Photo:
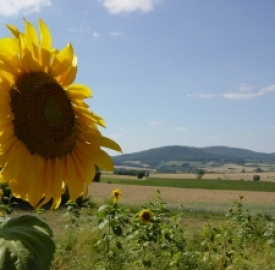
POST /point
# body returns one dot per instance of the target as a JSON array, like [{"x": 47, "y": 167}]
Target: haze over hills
[{"x": 221, "y": 154}]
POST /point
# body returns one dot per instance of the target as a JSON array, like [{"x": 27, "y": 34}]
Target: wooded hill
[{"x": 221, "y": 154}]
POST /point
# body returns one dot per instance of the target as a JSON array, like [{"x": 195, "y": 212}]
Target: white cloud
[
  {"x": 248, "y": 93},
  {"x": 271, "y": 127},
  {"x": 181, "y": 128},
  {"x": 128, "y": 6},
  {"x": 199, "y": 95},
  {"x": 115, "y": 34},
  {"x": 14, "y": 7},
  {"x": 154, "y": 123},
  {"x": 244, "y": 87},
  {"x": 95, "y": 34},
  {"x": 251, "y": 134}
]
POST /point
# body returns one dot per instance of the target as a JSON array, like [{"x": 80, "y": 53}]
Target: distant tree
[
  {"x": 256, "y": 177},
  {"x": 199, "y": 173},
  {"x": 140, "y": 174},
  {"x": 258, "y": 170}
]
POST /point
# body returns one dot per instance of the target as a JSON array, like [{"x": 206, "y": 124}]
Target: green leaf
[
  {"x": 118, "y": 245},
  {"x": 25, "y": 243}
]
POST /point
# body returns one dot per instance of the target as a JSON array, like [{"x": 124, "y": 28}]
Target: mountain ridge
[{"x": 221, "y": 154}]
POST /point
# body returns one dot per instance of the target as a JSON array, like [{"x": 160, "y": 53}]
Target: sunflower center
[
  {"x": 44, "y": 118},
  {"x": 53, "y": 113},
  {"x": 146, "y": 216}
]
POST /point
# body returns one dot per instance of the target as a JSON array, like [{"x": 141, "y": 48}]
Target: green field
[{"x": 197, "y": 183}]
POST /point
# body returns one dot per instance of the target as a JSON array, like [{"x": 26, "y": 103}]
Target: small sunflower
[
  {"x": 48, "y": 136},
  {"x": 116, "y": 193},
  {"x": 145, "y": 215}
]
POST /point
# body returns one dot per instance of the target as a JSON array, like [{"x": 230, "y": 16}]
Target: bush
[
  {"x": 256, "y": 177},
  {"x": 200, "y": 173},
  {"x": 140, "y": 174}
]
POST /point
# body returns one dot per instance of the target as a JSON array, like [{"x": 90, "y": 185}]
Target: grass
[
  {"x": 102, "y": 239},
  {"x": 240, "y": 185}
]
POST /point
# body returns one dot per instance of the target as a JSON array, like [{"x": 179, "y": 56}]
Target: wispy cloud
[
  {"x": 246, "y": 92},
  {"x": 250, "y": 134},
  {"x": 154, "y": 123},
  {"x": 271, "y": 127},
  {"x": 95, "y": 34},
  {"x": 199, "y": 95},
  {"x": 11, "y": 8},
  {"x": 128, "y": 6},
  {"x": 115, "y": 34},
  {"x": 181, "y": 128}
]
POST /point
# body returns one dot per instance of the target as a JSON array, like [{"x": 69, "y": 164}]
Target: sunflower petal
[
  {"x": 8, "y": 47},
  {"x": 45, "y": 36},
  {"x": 63, "y": 61},
  {"x": 78, "y": 91},
  {"x": 100, "y": 140},
  {"x": 75, "y": 184},
  {"x": 31, "y": 40},
  {"x": 57, "y": 184},
  {"x": 104, "y": 161},
  {"x": 14, "y": 161},
  {"x": 45, "y": 45}
]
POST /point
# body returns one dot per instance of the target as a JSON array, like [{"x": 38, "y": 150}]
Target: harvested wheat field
[{"x": 192, "y": 199}]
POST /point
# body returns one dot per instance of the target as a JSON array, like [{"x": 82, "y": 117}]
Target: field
[
  {"x": 206, "y": 229},
  {"x": 208, "y": 196},
  {"x": 248, "y": 176},
  {"x": 198, "y": 235}
]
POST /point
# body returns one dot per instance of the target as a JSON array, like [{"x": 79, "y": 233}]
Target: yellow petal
[
  {"x": 7, "y": 76},
  {"x": 13, "y": 30},
  {"x": 104, "y": 161},
  {"x": 57, "y": 185},
  {"x": 8, "y": 47},
  {"x": 69, "y": 77},
  {"x": 5, "y": 110},
  {"x": 14, "y": 162},
  {"x": 6, "y": 133},
  {"x": 36, "y": 180},
  {"x": 63, "y": 61},
  {"x": 87, "y": 115},
  {"x": 45, "y": 45},
  {"x": 100, "y": 140},
  {"x": 75, "y": 184},
  {"x": 45, "y": 36},
  {"x": 31, "y": 40},
  {"x": 78, "y": 91},
  {"x": 88, "y": 165},
  {"x": 93, "y": 152}
]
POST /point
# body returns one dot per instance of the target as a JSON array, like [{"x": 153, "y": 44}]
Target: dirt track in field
[{"x": 140, "y": 194}]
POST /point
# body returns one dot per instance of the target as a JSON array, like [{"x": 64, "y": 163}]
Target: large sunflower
[{"x": 48, "y": 137}]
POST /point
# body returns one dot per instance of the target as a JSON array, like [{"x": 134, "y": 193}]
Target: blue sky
[{"x": 169, "y": 72}]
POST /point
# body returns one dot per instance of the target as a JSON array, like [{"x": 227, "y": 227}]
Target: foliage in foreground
[{"x": 114, "y": 237}]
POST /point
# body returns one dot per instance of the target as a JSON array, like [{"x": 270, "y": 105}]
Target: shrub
[
  {"x": 140, "y": 174},
  {"x": 256, "y": 177}
]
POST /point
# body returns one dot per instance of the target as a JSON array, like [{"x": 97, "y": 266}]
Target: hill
[{"x": 220, "y": 154}]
